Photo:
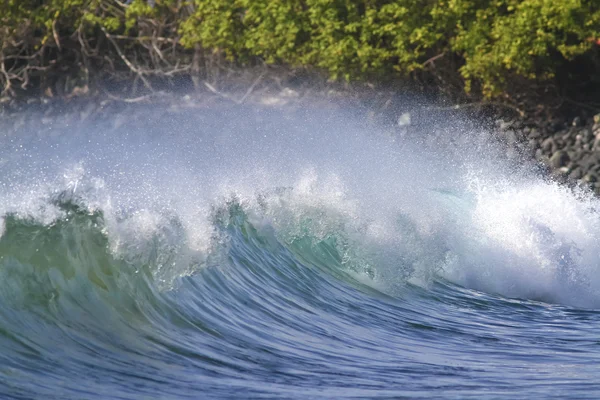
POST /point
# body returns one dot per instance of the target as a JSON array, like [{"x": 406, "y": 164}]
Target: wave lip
[{"x": 521, "y": 239}]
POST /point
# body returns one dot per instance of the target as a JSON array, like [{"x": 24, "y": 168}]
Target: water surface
[{"x": 259, "y": 253}]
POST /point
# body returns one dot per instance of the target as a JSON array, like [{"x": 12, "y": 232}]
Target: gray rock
[
  {"x": 566, "y": 136},
  {"x": 504, "y": 125},
  {"x": 587, "y": 135},
  {"x": 589, "y": 178},
  {"x": 534, "y": 134},
  {"x": 589, "y": 161},
  {"x": 548, "y": 145},
  {"x": 596, "y": 145},
  {"x": 533, "y": 144},
  {"x": 578, "y": 155},
  {"x": 539, "y": 154},
  {"x": 511, "y": 137},
  {"x": 576, "y": 173},
  {"x": 559, "y": 144},
  {"x": 559, "y": 159}
]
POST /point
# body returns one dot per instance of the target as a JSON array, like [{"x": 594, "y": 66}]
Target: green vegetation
[{"x": 487, "y": 45}]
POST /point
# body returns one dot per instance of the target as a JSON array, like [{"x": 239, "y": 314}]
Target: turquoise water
[{"x": 250, "y": 254}]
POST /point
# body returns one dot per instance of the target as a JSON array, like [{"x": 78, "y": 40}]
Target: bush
[
  {"x": 490, "y": 42},
  {"x": 529, "y": 38}
]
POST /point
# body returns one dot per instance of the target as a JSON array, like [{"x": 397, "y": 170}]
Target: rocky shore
[{"x": 570, "y": 150}]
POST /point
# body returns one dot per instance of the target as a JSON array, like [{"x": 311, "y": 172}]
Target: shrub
[{"x": 494, "y": 41}]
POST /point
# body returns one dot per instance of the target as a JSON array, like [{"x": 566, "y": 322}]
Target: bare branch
[
  {"x": 215, "y": 91},
  {"x": 251, "y": 88},
  {"x": 55, "y": 35},
  {"x": 432, "y": 59},
  {"x": 127, "y": 100},
  {"x": 146, "y": 38},
  {"x": 126, "y": 61}
]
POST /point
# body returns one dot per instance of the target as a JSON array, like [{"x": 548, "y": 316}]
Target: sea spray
[{"x": 329, "y": 178}]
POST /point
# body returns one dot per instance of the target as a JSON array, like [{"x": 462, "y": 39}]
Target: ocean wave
[{"x": 310, "y": 259}]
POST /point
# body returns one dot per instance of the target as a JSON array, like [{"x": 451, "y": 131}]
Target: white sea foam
[
  {"x": 531, "y": 239},
  {"x": 397, "y": 211}
]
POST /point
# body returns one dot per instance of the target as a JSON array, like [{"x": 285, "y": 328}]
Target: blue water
[{"x": 261, "y": 253}]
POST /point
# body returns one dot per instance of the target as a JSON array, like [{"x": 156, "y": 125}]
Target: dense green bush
[
  {"x": 496, "y": 38},
  {"x": 529, "y": 38},
  {"x": 494, "y": 41}
]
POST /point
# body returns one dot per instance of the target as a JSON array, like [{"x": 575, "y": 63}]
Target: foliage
[
  {"x": 494, "y": 40},
  {"x": 529, "y": 38}
]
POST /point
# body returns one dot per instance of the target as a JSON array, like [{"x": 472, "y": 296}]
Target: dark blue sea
[{"x": 256, "y": 252}]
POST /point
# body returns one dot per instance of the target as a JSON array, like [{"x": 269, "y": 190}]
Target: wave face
[{"x": 260, "y": 253}]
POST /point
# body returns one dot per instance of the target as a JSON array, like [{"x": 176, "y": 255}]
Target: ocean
[{"x": 255, "y": 252}]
